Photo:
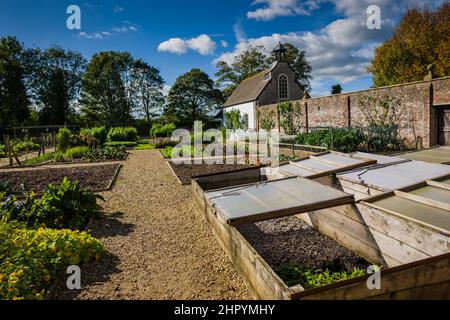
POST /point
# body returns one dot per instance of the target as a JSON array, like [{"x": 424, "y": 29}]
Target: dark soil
[
  {"x": 186, "y": 172},
  {"x": 291, "y": 241},
  {"x": 94, "y": 178}
]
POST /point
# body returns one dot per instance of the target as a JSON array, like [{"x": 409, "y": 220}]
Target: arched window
[{"x": 283, "y": 87}]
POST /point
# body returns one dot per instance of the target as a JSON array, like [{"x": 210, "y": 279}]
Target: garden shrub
[
  {"x": 100, "y": 134},
  {"x": 58, "y": 156},
  {"x": 77, "y": 140},
  {"x": 123, "y": 134},
  {"x": 76, "y": 152},
  {"x": 31, "y": 259},
  {"x": 61, "y": 206},
  {"x": 159, "y": 130},
  {"x": 2, "y": 151},
  {"x": 383, "y": 137},
  {"x": 5, "y": 188},
  {"x": 24, "y": 145},
  {"x": 313, "y": 278},
  {"x": 63, "y": 139},
  {"x": 94, "y": 136}
]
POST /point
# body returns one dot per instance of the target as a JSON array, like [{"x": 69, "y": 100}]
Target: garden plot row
[{"x": 404, "y": 231}]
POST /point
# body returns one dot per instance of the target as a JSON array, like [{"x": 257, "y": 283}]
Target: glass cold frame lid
[
  {"x": 274, "y": 199},
  {"x": 397, "y": 176},
  {"x": 323, "y": 164},
  {"x": 433, "y": 193},
  {"x": 419, "y": 212}
]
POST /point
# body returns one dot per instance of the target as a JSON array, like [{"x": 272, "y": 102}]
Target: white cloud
[
  {"x": 282, "y": 8},
  {"x": 202, "y": 44},
  {"x": 117, "y": 9},
  {"x": 224, "y": 43},
  {"x": 339, "y": 52},
  {"x": 239, "y": 32},
  {"x": 173, "y": 45},
  {"x": 94, "y": 35},
  {"x": 124, "y": 29},
  {"x": 107, "y": 34}
]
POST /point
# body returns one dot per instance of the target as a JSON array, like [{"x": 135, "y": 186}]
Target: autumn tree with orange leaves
[{"x": 421, "y": 39}]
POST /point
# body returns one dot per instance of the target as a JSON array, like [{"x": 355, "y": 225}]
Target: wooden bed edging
[
  {"x": 397, "y": 282},
  {"x": 259, "y": 277},
  {"x": 422, "y": 277}
]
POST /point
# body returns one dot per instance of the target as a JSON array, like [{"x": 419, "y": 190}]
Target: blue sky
[{"x": 177, "y": 35}]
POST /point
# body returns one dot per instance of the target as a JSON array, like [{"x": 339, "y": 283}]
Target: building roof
[{"x": 250, "y": 89}]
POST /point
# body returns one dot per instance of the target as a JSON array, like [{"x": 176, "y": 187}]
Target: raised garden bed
[
  {"x": 95, "y": 178},
  {"x": 259, "y": 249},
  {"x": 185, "y": 172}
]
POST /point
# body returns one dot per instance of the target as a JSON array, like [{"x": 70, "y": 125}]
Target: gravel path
[{"x": 158, "y": 246}]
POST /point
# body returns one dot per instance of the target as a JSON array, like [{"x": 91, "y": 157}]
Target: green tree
[
  {"x": 14, "y": 103},
  {"x": 422, "y": 38},
  {"x": 336, "y": 89},
  {"x": 106, "y": 89},
  {"x": 297, "y": 60},
  {"x": 57, "y": 84},
  {"x": 147, "y": 85},
  {"x": 245, "y": 65},
  {"x": 192, "y": 98}
]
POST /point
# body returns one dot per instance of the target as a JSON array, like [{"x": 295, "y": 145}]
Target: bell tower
[{"x": 280, "y": 53}]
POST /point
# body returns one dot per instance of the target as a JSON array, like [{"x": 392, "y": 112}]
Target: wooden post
[{"x": 9, "y": 150}]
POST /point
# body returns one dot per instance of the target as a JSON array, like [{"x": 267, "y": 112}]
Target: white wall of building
[{"x": 245, "y": 108}]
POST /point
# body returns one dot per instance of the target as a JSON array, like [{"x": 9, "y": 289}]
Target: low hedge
[
  {"x": 123, "y": 134},
  {"x": 162, "y": 131},
  {"x": 31, "y": 259},
  {"x": 127, "y": 144},
  {"x": 106, "y": 153},
  {"x": 344, "y": 140}
]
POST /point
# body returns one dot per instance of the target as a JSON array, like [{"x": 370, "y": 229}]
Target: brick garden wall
[{"x": 414, "y": 109}]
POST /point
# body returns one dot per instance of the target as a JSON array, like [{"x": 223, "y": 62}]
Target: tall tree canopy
[
  {"x": 57, "y": 83},
  {"x": 106, "y": 89},
  {"x": 14, "y": 103},
  {"x": 246, "y": 64},
  {"x": 422, "y": 38},
  {"x": 297, "y": 60},
  {"x": 147, "y": 85},
  {"x": 192, "y": 97}
]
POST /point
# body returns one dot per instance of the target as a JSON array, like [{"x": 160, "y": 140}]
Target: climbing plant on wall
[
  {"x": 290, "y": 117},
  {"x": 267, "y": 119},
  {"x": 234, "y": 120}
]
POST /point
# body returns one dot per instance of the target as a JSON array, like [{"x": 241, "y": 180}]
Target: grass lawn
[
  {"x": 38, "y": 160},
  {"x": 144, "y": 147}
]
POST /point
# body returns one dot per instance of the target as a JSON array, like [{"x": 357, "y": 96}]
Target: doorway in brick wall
[{"x": 444, "y": 126}]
